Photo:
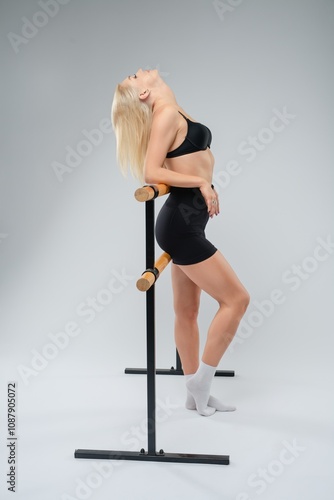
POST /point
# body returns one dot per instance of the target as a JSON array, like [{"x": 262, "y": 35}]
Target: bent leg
[{"x": 216, "y": 277}]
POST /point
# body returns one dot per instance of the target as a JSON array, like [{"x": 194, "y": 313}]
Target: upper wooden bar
[{"x": 151, "y": 191}]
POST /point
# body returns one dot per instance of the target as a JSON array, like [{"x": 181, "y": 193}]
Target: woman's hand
[{"x": 211, "y": 199}]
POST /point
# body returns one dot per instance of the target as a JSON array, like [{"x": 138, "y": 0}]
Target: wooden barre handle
[
  {"x": 149, "y": 278},
  {"x": 147, "y": 193}
]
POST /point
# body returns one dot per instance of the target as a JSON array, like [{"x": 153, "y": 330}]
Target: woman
[{"x": 162, "y": 144}]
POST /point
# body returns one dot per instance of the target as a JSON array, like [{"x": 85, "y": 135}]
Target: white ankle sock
[
  {"x": 212, "y": 401},
  {"x": 199, "y": 387}
]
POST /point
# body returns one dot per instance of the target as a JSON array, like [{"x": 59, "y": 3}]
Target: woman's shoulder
[
  {"x": 166, "y": 119},
  {"x": 165, "y": 127}
]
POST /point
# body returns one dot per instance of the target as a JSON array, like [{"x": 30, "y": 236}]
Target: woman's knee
[
  {"x": 186, "y": 313},
  {"x": 242, "y": 301},
  {"x": 245, "y": 298},
  {"x": 238, "y": 301}
]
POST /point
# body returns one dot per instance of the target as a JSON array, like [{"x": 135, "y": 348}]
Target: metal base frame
[
  {"x": 175, "y": 371},
  {"x": 153, "y": 457}
]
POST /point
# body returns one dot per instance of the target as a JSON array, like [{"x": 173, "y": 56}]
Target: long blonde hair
[{"x": 131, "y": 119}]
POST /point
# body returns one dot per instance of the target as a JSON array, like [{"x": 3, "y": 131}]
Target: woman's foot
[
  {"x": 212, "y": 402},
  {"x": 198, "y": 395}
]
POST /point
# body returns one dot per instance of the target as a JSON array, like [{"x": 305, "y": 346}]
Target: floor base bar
[
  {"x": 173, "y": 371},
  {"x": 157, "y": 457}
]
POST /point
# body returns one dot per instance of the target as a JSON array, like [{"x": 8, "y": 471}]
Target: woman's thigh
[
  {"x": 216, "y": 277},
  {"x": 186, "y": 293}
]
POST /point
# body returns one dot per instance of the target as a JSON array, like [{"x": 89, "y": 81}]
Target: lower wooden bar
[{"x": 154, "y": 457}]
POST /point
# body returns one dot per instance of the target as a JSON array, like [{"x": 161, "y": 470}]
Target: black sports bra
[{"x": 198, "y": 138}]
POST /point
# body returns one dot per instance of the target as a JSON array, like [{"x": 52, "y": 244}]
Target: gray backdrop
[{"x": 259, "y": 74}]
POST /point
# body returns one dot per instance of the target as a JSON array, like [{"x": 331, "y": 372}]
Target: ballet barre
[
  {"x": 151, "y": 454},
  {"x": 149, "y": 277}
]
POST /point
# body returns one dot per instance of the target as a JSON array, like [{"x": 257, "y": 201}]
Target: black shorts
[{"x": 180, "y": 227}]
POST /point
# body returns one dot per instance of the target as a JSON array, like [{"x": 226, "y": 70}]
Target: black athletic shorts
[{"x": 180, "y": 227}]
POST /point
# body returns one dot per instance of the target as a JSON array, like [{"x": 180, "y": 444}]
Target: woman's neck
[{"x": 161, "y": 95}]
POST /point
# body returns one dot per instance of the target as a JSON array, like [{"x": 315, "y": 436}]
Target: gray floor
[{"x": 280, "y": 439}]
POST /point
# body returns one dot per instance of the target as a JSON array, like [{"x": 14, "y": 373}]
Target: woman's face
[{"x": 142, "y": 79}]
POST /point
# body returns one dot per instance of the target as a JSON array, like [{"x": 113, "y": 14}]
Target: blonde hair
[{"x": 131, "y": 119}]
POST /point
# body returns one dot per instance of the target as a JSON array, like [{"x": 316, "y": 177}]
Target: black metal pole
[
  {"x": 178, "y": 362},
  {"x": 150, "y": 329}
]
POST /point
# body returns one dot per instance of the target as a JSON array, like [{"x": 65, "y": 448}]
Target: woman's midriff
[{"x": 199, "y": 164}]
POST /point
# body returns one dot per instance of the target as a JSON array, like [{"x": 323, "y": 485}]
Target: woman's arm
[{"x": 163, "y": 132}]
